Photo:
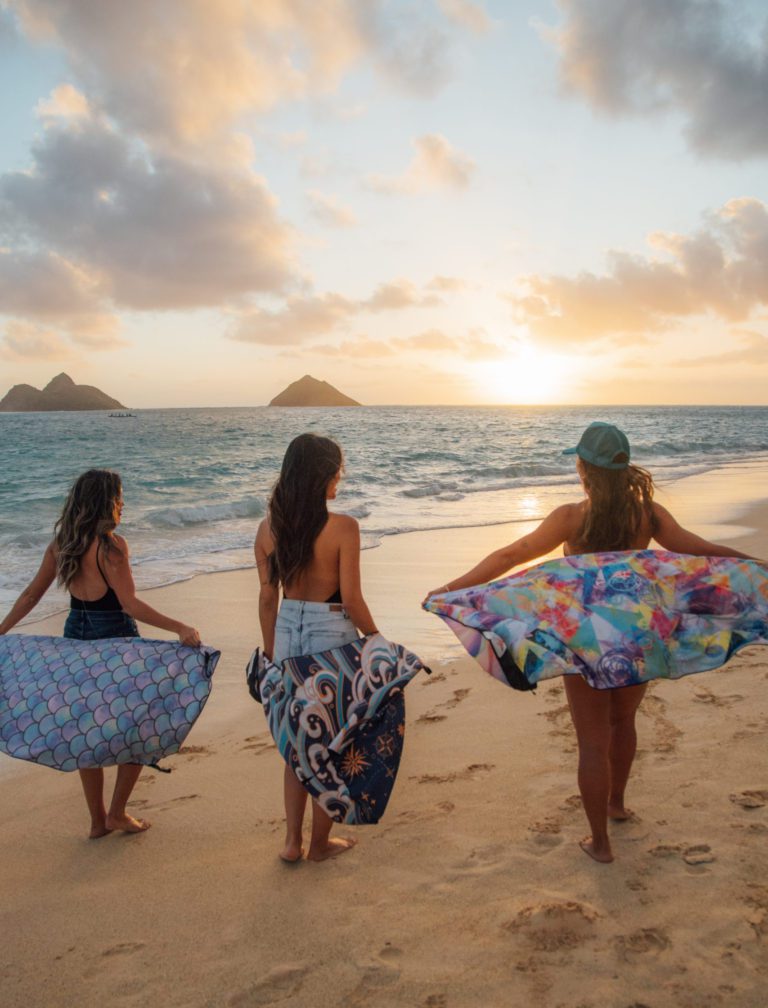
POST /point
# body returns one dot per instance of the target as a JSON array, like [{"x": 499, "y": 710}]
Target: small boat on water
[{"x": 123, "y": 415}]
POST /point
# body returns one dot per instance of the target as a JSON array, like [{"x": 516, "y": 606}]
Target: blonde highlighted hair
[
  {"x": 90, "y": 512},
  {"x": 619, "y": 506}
]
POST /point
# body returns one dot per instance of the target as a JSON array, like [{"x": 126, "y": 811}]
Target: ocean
[{"x": 196, "y": 481}]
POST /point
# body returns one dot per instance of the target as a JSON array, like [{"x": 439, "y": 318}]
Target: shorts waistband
[{"x": 299, "y": 606}]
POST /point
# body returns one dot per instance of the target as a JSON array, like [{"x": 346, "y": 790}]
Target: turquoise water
[{"x": 196, "y": 480}]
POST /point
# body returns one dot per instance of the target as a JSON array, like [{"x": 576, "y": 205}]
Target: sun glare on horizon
[{"x": 527, "y": 377}]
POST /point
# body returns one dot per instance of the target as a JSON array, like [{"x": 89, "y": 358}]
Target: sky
[{"x": 419, "y": 201}]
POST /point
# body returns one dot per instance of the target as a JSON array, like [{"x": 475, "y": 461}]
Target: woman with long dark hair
[
  {"x": 313, "y": 555},
  {"x": 618, "y": 512},
  {"x": 92, "y": 562}
]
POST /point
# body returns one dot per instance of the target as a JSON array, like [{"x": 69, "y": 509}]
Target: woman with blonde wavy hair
[
  {"x": 92, "y": 562},
  {"x": 618, "y": 512}
]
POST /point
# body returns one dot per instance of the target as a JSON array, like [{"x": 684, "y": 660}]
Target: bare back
[
  {"x": 90, "y": 584},
  {"x": 641, "y": 540},
  {"x": 321, "y": 578}
]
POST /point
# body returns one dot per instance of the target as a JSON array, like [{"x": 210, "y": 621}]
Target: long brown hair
[
  {"x": 90, "y": 512},
  {"x": 619, "y": 501},
  {"x": 298, "y": 510}
]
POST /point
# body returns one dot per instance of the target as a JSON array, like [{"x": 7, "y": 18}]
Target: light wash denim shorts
[
  {"x": 84, "y": 625},
  {"x": 304, "y": 628}
]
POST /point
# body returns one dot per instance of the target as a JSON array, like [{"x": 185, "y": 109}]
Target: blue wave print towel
[
  {"x": 72, "y": 704},
  {"x": 618, "y": 619},
  {"x": 338, "y": 719}
]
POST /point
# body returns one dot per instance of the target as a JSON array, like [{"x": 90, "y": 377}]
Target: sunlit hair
[
  {"x": 619, "y": 502},
  {"x": 298, "y": 509},
  {"x": 90, "y": 512}
]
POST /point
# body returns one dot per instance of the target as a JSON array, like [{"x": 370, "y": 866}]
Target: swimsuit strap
[{"x": 103, "y": 575}]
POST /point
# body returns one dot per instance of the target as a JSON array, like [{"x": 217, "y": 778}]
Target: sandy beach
[{"x": 472, "y": 891}]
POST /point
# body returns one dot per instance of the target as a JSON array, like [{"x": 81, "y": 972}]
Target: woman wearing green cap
[{"x": 617, "y": 513}]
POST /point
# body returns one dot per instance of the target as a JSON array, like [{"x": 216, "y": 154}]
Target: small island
[
  {"x": 60, "y": 393},
  {"x": 308, "y": 391}
]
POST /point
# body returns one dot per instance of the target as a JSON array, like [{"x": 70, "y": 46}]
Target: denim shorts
[
  {"x": 84, "y": 625},
  {"x": 304, "y": 628}
]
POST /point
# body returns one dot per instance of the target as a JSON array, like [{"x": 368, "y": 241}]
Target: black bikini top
[{"x": 108, "y": 602}]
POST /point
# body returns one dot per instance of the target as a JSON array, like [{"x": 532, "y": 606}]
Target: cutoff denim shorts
[
  {"x": 84, "y": 625},
  {"x": 304, "y": 628}
]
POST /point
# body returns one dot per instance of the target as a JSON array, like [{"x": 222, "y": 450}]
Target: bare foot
[
  {"x": 127, "y": 823},
  {"x": 98, "y": 830},
  {"x": 604, "y": 856},
  {"x": 618, "y": 813},
  {"x": 291, "y": 854},
  {"x": 332, "y": 848}
]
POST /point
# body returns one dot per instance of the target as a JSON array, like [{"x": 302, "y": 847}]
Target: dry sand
[{"x": 471, "y": 892}]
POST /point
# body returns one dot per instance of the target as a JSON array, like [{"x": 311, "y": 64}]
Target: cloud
[
  {"x": 467, "y": 14},
  {"x": 722, "y": 269},
  {"x": 303, "y": 317},
  {"x": 396, "y": 295},
  {"x": 700, "y": 58},
  {"x": 359, "y": 348},
  {"x": 436, "y": 165},
  {"x": 157, "y": 232},
  {"x": 181, "y": 72},
  {"x": 65, "y": 102},
  {"x": 753, "y": 350},
  {"x": 471, "y": 346},
  {"x": 328, "y": 210},
  {"x": 445, "y": 284},
  {"x": 22, "y": 341}
]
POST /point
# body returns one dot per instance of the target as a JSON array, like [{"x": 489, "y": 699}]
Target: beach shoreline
[{"x": 471, "y": 891}]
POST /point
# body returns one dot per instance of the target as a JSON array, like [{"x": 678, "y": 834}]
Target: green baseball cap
[{"x": 600, "y": 444}]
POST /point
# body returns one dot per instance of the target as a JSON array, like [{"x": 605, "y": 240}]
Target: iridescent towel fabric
[
  {"x": 616, "y": 618},
  {"x": 338, "y": 719},
  {"x": 72, "y": 704}
]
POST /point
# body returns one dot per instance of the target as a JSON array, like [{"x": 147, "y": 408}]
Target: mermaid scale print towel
[
  {"x": 338, "y": 719},
  {"x": 72, "y": 704},
  {"x": 618, "y": 619}
]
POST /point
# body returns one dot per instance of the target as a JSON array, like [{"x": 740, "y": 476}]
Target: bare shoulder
[
  {"x": 264, "y": 534},
  {"x": 568, "y": 516},
  {"x": 118, "y": 548},
  {"x": 342, "y": 526}
]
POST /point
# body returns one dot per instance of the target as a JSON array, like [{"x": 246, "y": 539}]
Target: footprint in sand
[
  {"x": 124, "y": 948},
  {"x": 258, "y": 747},
  {"x": 466, "y": 774},
  {"x": 430, "y": 718},
  {"x": 667, "y": 733},
  {"x": 705, "y": 695},
  {"x": 436, "y": 677},
  {"x": 195, "y": 750},
  {"x": 377, "y": 973},
  {"x": 749, "y": 799},
  {"x": 435, "y": 1001},
  {"x": 170, "y": 802},
  {"x": 698, "y": 854},
  {"x": 432, "y": 715},
  {"x": 692, "y": 854},
  {"x": 279, "y": 984},
  {"x": 481, "y": 860},
  {"x": 458, "y": 696},
  {"x": 546, "y": 833},
  {"x": 549, "y": 927},
  {"x": 645, "y": 942}
]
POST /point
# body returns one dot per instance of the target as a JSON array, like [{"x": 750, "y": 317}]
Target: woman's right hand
[{"x": 189, "y": 636}]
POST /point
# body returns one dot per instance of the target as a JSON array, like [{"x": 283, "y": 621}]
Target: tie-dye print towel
[
  {"x": 338, "y": 719},
  {"x": 72, "y": 704},
  {"x": 616, "y": 618}
]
